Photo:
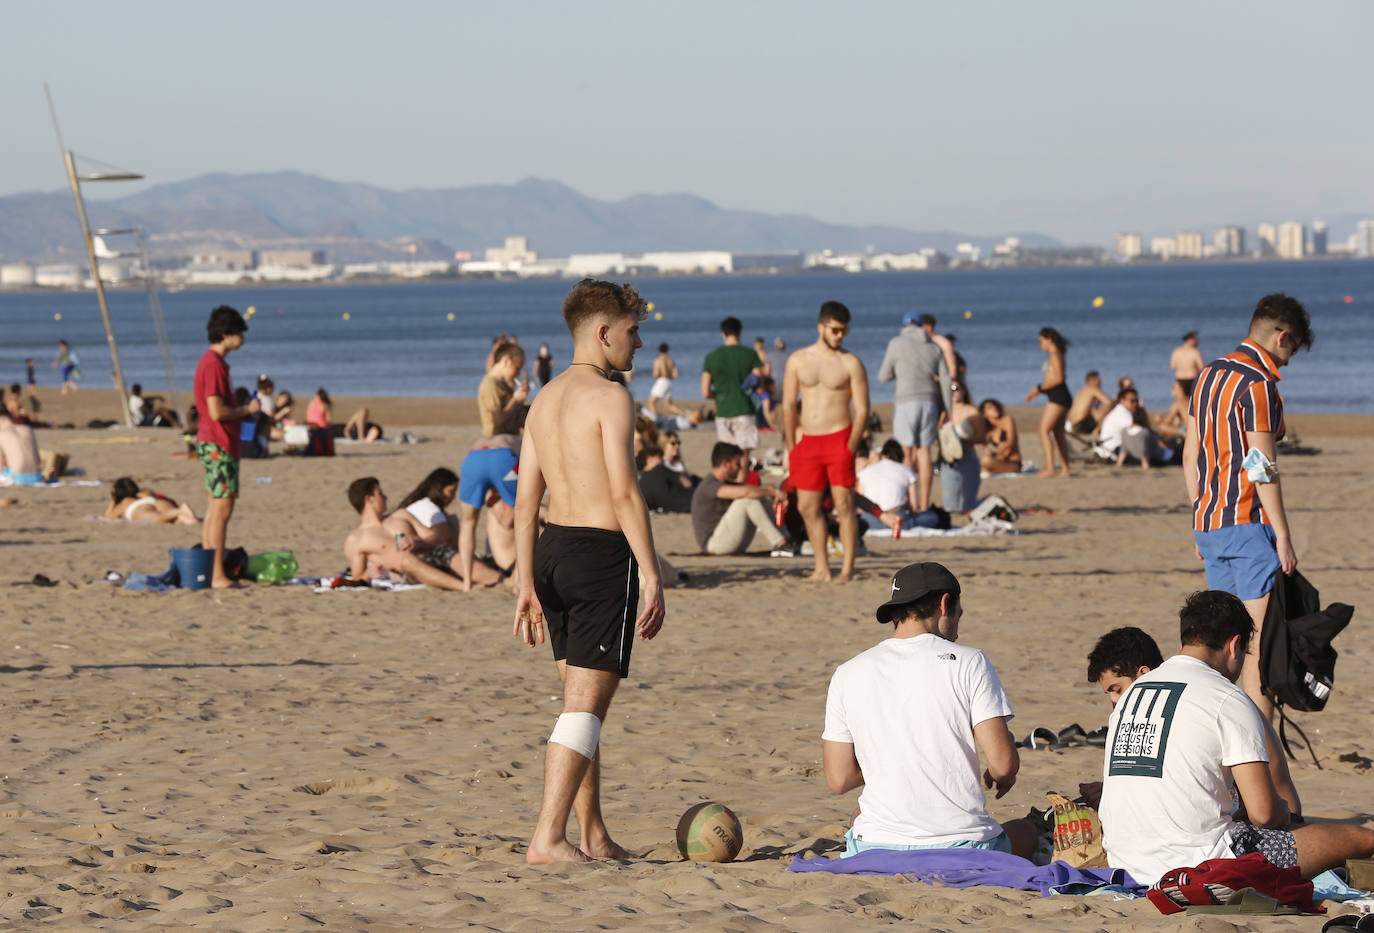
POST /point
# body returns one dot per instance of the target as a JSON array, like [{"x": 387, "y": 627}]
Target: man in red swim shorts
[{"x": 830, "y": 382}]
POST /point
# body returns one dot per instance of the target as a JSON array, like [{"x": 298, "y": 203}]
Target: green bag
[{"x": 271, "y": 567}]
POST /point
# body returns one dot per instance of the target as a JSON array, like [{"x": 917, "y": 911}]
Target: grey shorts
[
  {"x": 916, "y": 423},
  {"x": 741, "y": 430},
  {"x": 441, "y": 558},
  {"x": 1276, "y": 845}
]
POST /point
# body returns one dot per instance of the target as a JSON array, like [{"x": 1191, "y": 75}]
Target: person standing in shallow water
[{"x": 581, "y": 574}]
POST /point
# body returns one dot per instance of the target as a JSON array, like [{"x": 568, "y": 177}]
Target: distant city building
[
  {"x": 1268, "y": 241},
  {"x": 1229, "y": 240},
  {"x": 1162, "y": 246},
  {"x": 1318, "y": 238},
  {"x": 17, "y": 275},
  {"x": 1128, "y": 245},
  {"x": 60, "y": 275},
  {"x": 1188, "y": 244},
  {"x": 967, "y": 252},
  {"x": 292, "y": 258},
  {"x": 764, "y": 262},
  {"x": 1008, "y": 247},
  {"x": 1292, "y": 240},
  {"x": 709, "y": 262},
  {"x": 1364, "y": 239},
  {"x": 226, "y": 259},
  {"x": 516, "y": 252}
]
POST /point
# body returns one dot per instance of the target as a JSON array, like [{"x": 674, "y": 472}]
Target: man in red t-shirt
[{"x": 217, "y": 436}]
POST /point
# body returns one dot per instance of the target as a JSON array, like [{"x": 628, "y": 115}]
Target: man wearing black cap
[{"x": 905, "y": 720}]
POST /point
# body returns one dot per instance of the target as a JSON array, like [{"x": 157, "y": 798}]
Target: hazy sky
[{"x": 1073, "y": 119}]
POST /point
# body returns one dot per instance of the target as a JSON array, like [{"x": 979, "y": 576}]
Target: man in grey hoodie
[{"x": 923, "y": 379}]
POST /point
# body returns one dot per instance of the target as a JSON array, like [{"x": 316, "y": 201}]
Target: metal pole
[{"x": 99, "y": 288}]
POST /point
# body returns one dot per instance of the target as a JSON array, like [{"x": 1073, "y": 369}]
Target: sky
[{"x": 1071, "y": 119}]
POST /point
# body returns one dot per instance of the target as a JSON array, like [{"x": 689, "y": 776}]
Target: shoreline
[{"x": 420, "y": 411}]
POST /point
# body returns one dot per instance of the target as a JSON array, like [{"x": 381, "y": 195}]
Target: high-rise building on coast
[
  {"x": 1318, "y": 238},
  {"x": 1188, "y": 244},
  {"x": 1128, "y": 245},
  {"x": 1364, "y": 239},
  {"x": 1268, "y": 240},
  {"x": 1229, "y": 240},
  {"x": 1292, "y": 241},
  {"x": 1162, "y": 246}
]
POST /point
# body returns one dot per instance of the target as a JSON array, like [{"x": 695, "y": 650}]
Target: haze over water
[{"x": 398, "y": 340}]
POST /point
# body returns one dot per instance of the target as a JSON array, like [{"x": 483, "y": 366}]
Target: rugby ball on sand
[{"x": 709, "y": 832}]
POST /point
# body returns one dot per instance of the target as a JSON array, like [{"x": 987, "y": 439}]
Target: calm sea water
[{"x": 398, "y": 339}]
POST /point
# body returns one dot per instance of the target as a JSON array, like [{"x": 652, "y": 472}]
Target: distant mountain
[{"x": 354, "y": 222}]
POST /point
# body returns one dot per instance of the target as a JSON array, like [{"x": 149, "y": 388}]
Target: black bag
[{"x": 1297, "y": 662}]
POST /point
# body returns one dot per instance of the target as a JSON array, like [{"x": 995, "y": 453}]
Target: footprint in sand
[{"x": 358, "y": 785}]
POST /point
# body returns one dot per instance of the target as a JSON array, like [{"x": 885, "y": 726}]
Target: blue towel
[
  {"x": 1329, "y": 886},
  {"x": 962, "y": 868}
]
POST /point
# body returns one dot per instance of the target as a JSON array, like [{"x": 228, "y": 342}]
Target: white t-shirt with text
[
  {"x": 1166, "y": 780},
  {"x": 908, "y": 706}
]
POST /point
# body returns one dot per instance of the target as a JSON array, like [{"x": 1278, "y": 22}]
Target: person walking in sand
[
  {"x": 1186, "y": 361},
  {"x": 1057, "y": 402},
  {"x": 820, "y": 440},
  {"x": 665, "y": 371},
  {"x": 723, "y": 373},
  {"x": 218, "y": 443},
  {"x": 923, "y": 378},
  {"x": 70, "y": 365},
  {"x": 1240, "y": 528},
  {"x": 582, "y": 571}
]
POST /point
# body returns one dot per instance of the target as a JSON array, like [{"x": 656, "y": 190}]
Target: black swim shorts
[
  {"x": 441, "y": 557},
  {"x": 587, "y": 580}
]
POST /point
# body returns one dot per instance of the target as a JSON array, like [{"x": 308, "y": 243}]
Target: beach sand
[{"x": 272, "y": 759}]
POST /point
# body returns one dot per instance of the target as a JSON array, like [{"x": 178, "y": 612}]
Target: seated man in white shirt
[
  {"x": 906, "y": 719},
  {"x": 1180, "y": 741},
  {"x": 1121, "y": 437},
  {"x": 889, "y": 484}
]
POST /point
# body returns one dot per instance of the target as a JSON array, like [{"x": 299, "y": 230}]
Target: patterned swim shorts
[
  {"x": 441, "y": 558},
  {"x": 1276, "y": 845},
  {"x": 221, "y": 470}
]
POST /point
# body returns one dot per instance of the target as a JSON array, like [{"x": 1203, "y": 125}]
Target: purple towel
[{"x": 962, "y": 868}]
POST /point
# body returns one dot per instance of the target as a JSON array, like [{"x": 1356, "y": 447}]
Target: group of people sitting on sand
[{"x": 907, "y": 719}]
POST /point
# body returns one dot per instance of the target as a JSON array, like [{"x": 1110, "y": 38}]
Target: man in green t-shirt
[{"x": 722, "y": 377}]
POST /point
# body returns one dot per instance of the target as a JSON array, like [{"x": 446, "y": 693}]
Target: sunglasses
[{"x": 839, "y": 329}]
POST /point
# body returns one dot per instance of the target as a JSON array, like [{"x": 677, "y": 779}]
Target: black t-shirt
[{"x": 663, "y": 489}]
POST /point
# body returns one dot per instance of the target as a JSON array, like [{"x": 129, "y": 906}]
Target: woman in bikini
[
  {"x": 1057, "y": 401},
  {"x": 129, "y": 502},
  {"x": 1003, "y": 452}
]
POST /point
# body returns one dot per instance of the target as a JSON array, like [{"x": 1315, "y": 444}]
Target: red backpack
[{"x": 1216, "y": 882}]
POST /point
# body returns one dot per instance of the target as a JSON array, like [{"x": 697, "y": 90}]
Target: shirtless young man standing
[
  {"x": 1187, "y": 361},
  {"x": 581, "y": 572},
  {"x": 828, "y": 379}
]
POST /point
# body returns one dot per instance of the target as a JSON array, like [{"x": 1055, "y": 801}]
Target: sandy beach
[{"x": 276, "y": 759}]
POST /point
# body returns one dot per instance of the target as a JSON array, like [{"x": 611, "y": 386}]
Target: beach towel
[
  {"x": 980, "y": 528},
  {"x": 964, "y": 868}
]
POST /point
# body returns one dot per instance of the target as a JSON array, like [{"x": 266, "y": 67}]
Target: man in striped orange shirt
[{"x": 1236, "y": 412}]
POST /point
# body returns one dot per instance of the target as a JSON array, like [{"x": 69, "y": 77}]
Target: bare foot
[
  {"x": 1046, "y": 473},
  {"x": 605, "y": 848},
  {"x": 844, "y": 576},
  {"x": 820, "y": 576},
  {"x": 1064, "y": 474},
  {"x": 224, "y": 583},
  {"x": 185, "y": 516},
  {"x": 560, "y": 851}
]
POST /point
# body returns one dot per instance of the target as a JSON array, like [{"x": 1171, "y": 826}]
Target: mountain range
[{"x": 356, "y": 222}]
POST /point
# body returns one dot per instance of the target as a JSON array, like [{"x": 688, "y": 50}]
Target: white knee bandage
[{"x": 578, "y": 731}]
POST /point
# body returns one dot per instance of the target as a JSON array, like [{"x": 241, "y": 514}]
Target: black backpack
[{"x": 1297, "y": 662}]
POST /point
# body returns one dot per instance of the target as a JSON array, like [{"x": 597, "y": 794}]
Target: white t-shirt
[
  {"x": 136, "y": 404},
  {"x": 886, "y": 483},
  {"x": 266, "y": 404},
  {"x": 1166, "y": 783},
  {"x": 1114, "y": 428},
  {"x": 427, "y": 513},
  {"x": 908, "y": 706}
]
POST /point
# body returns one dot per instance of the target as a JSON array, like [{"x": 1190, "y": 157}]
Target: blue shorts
[
  {"x": 1240, "y": 560},
  {"x": 488, "y": 468},
  {"x": 999, "y": 843},
  {"x": 916, "y": 423}
]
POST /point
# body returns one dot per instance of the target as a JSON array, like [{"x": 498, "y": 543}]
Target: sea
[{"x": 432, "y": 338}]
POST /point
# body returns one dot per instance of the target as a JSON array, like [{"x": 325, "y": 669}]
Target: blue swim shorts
[
  {"x": 1241, "y": 559},
  {"x": 488, "y": 468},
  {"x": 853, "y": 845}
]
